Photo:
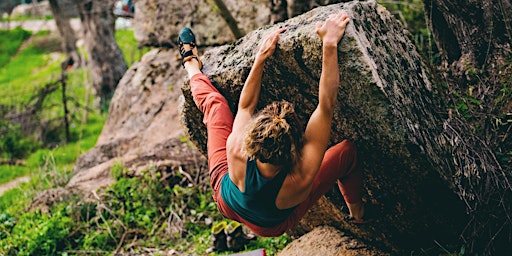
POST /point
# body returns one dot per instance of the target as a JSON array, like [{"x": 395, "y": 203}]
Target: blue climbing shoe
[{"x": 187, "y": 46}]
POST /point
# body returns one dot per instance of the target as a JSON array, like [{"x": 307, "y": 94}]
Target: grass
[
  {"x": 129, "y": 46},
  {"x": 10, "y": 172},
  {"x": 10, "y": 42},
  {"x": 35, "y": 66},
  {"x": 26, "y": 17},
  {"x": 29, "y": 70}
]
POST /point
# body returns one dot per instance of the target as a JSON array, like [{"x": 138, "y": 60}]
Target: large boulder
[
  {"x": 143, "y": 124},
  {"x": 388, "y": 104},
  {"x": 326, "y": 240},
  {"x": 40, "y": 8},
  {"x": 158, "y": 22}
]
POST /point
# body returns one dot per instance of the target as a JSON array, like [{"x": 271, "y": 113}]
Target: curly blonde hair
[{"x": 275, "y": 135}]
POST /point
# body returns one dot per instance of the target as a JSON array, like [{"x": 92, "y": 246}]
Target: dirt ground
[{"x": 12, "y": 184}]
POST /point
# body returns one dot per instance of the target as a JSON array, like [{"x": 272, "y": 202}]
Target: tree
[
  {"x": 35, "y": 8},
  {"x": 230, "y": 20},
  {"x": 105, "y": 59},
  {"x": 67, "y": 34},
  {"x": 296, "y": 7}
]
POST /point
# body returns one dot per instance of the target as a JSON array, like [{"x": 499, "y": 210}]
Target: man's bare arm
[
  {"x": 250, "y": 92},
  {"x": 316, "y": 135}
]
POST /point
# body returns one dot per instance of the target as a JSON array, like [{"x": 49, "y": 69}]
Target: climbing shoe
[
  {"x": 236, "y": 238},
  {"x": 219, "y": 237},
  {"x": 187, "y": 46}
]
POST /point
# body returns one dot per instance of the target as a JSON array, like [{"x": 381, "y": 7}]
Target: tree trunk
[
  {"x": 471, "y": 31},
  {"x": 67, "y": 35},
  {"x": 278, "y": 11},
  {"x": 474, "y": 41},
  {"x": 35, "y": 8},
  {"x": 297, "y": 7},
  {"x": 230, "y": 20},
  {"x": 106, "y": 62}
]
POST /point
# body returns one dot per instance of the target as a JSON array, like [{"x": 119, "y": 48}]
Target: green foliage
[
  {"x": 504, "y": 96},
  {"x": 18, "y": 78},
  {"x": 127, "y": 210},
  {"x": 10, "y": 41},
  {"x": 129, "y": 46},
  {"x": 26, "y": 17},
  {"x": 36, "y": 233},
  {"x": 139, "y": 210},
  {"x": 465, "y": 103},
  {"x": 411, "y": 14},
  {"x": 7, "y": 223},
  {"x": 14, "y": 201},
  {"x": 272, "y": 245}
]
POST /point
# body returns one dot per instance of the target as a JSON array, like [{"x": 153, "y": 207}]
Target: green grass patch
[
  {"x": 14, "y": 201},
  {"x": 61, "y": 158},
  {"x": 23, "y": 75},
  {"x": 10, "y": 42},
  {"x": 26, "y": 17},
  {"x": 11, "y": 172},
  {"x": 129, "y": 46},
  {"x": 136, "y": 210},
  {"x": 37, "y": 65},
  {"x": 28, "y": 72}
]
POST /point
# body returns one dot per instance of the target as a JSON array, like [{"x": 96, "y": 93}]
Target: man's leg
[
  {"x": 351, "y": 187},
  {"x": 217, "y": 118},
  {"x": 339, "y": 164}
]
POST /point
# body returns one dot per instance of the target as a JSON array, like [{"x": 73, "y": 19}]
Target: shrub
[{"x": 12, "y": 143}]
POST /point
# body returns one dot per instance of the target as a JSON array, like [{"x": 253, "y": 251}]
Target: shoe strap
[
  {"x": 187, "y": 54},
  {"x": 182, "y": 49}
]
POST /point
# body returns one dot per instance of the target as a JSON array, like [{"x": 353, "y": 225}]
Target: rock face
[
  {"x": 158, "y": 22},
  {"x": 326, "y": 240},
  {"x": 387, "y": 104},
  {"x": 41, "y": 8}
]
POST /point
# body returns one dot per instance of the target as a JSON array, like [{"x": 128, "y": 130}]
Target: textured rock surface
[
  {"x": 387, "y": 104},
  {"x": 42, "y": 9},
  {"x": 158, "y": 22},
  {"x": 326, "y": 240}
]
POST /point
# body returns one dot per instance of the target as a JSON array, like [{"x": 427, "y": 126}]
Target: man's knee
[
  {"x": 347, "y": 157},
  {"x": 347, "y": 147},
  {"x": 215, "y": 98},
  {"x": 207, "y": 101}
]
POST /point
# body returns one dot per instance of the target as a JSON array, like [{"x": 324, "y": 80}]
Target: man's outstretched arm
[
  {"x": 252, "y": 87},
  {"x": 319, "y": 126},
  {"x": 250, "y": 92}
]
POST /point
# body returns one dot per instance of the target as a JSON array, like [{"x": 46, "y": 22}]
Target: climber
[{"x": 265, "y": 170}]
